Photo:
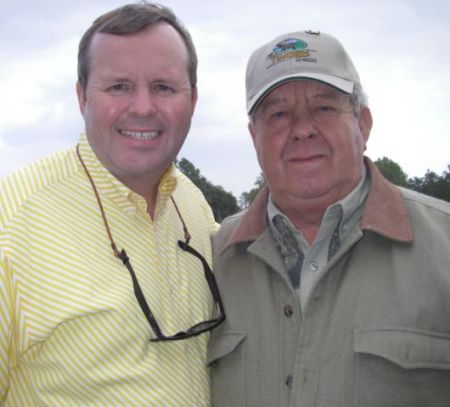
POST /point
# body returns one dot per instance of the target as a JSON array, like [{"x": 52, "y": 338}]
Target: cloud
[
  {"x": 33, "y": 79},
  {"x": 400, "y": 49}
]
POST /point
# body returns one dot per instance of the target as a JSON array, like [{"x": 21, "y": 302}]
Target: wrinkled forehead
[{"x": 301, "y": 88}]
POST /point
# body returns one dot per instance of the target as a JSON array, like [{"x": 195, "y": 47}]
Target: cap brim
[{"x": 340, "y": 84}]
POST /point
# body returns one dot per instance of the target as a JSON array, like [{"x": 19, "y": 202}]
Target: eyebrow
[
  {"x": 113, "y": 77},
  {"x": 271, "y": 101},
  {"x": 327, "y": 95}
]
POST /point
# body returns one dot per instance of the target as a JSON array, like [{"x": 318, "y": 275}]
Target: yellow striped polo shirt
[{"x": 71, "y": 330}]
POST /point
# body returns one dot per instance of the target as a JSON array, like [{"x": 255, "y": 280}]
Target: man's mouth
[
  {"x": 306, "y": 158},
  {"x": 140, "y": 135}
]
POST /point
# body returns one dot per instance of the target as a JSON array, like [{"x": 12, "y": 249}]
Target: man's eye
[
  {"x": 119, "y": 87},
  {"x": 325, "y": 109},
  {"x": 161, "y": 88},
  {"x": 279, "y": 115}
]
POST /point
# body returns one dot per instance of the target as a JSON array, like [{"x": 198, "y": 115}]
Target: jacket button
[
  {"x": 288, "y": 310},
  {"x": 289, "y": 380}
]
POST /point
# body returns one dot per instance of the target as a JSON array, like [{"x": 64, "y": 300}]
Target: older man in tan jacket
[{"x": 336, "y": 283}]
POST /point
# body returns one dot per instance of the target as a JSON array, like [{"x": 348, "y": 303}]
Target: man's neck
[
  {"x": 307, "y": 214},
  {"x": 307, "y": 218}
]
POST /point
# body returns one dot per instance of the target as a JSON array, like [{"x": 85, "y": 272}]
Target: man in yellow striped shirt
[{"x": 104, "y": 248}]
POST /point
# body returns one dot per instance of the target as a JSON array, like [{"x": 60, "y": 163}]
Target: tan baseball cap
[{"x": 298, "y": 55}]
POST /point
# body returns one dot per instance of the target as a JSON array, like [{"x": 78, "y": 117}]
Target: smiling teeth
[{"x": 140, "y": 135}]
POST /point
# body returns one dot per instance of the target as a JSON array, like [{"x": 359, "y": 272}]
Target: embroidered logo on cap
[{"x": 290, "y": 48}]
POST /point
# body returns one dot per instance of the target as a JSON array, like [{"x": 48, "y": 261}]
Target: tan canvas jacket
[{"x": 375, "y": 331}]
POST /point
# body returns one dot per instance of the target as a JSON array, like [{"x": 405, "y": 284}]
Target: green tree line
[
  {"x": 224, "y": 203},
  {"x": 431, "y": 183}
]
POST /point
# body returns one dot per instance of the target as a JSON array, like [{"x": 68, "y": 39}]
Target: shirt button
[
  {"x": 288, "y": 310},
  {"x": 131, "y": 210},
  {"x": 289, "y": 380},
  {"x": 313, "y": 266}
]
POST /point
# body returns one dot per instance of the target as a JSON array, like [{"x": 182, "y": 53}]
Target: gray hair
[{"x": 358, "y": 99}]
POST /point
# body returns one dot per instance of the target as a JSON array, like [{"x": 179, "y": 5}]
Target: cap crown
[{"x": 298, "y": 55}]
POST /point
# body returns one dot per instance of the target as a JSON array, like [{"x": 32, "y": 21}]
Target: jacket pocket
[
  {"x": 399, "y": 367},
  {"x": 226, "y": 358}
]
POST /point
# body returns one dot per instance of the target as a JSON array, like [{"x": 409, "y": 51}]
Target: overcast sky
[{"x": 400, "y": 48}]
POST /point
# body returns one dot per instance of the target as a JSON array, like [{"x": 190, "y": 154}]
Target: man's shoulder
[
  {"x": 231, "y": 222},
  {"x": 190, "y": 200},
  {"x": 184, "y": 182},
  {"x": 23, "y": 184},
  {"x": 425, "y": 203},
  {"x": 430, "y": 217},
  {"x": 227, "y": 227},
  {"x": 187, "y": 191}
]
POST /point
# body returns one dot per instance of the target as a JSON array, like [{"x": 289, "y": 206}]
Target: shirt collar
[
  {"x": 109, "y": 185},
  {"x": 349, "y": 209},
  {"x": 341, "y": 213}
]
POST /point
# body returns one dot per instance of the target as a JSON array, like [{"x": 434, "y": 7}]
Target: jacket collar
[{"x": 384, "y": 212}]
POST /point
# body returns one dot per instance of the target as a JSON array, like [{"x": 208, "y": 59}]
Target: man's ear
[
  {"x": 81, "y": 97},
  {"x": 365, "y": 122},
  {"x": 251, "y": 129},
  {"x": 194, "y": 98}
]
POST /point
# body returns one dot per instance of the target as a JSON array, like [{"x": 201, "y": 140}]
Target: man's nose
[
  {"x": 143, "y": 102},
  {"x": 303, "y": 125}
]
